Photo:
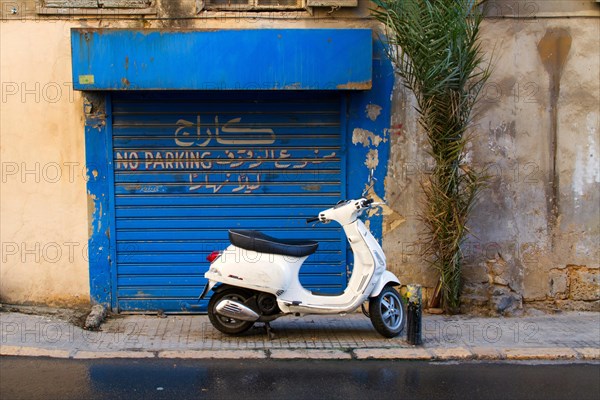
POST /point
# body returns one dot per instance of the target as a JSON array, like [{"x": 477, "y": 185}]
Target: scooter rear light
[{"x": 213, "y": 256}]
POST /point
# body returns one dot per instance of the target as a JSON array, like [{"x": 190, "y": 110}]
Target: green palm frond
[{"x": 434, "y": 46}]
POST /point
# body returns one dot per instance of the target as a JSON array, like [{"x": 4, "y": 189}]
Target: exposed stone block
[
  {"x": 95, "y": 318},
  {"x": 578, "y": 305},
  {"x": 558, "y": 283},
  {"x": 504, "y": 301},
  {"x": 475, "y": 298},
  {"x": 584, "y": 283}
]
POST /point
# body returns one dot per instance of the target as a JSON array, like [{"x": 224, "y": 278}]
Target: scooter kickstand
[{"x": 269, "y": 330}]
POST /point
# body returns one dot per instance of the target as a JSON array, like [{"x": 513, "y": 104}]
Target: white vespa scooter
[{"x": 256, "y": 278}]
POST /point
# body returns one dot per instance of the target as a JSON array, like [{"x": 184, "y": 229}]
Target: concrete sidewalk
[{"x": 563, "y": 336}]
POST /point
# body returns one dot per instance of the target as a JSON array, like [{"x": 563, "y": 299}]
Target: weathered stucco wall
[
  {"x": 44, "y": 217},
  {"x": 535, "y": 231},
  {"x": 523, "y": 249}
]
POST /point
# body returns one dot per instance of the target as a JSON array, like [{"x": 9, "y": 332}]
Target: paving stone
[
  {"x": 113, "y": 354},
  {"x": 454, "y": 353},
  {"x": 540, "y": 353},
  {"x": 10, "y": 350},
  {"x": 33, "y": 352},
  {"x": 214, "y": 354},
  {"x": 309, "y": 354},
  {"x": 400, "y": 354},
  {"x": 588, "y": 353},
  {"x": 486, "y": 353}
]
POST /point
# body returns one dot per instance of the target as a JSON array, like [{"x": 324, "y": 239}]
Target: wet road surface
[{"x": 44, "y": 378}]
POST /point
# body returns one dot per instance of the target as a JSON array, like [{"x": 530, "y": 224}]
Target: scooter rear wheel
[
  {"x": 387, "y": 312},
  {"x": 225, "y": 324}
]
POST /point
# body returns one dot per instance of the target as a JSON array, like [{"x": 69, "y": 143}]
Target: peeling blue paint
[
  {"x": 262, "y": 59},
  {"x": 380, "y": 94},
  {"x": 96, "y": 137},
  {"x": 99, "y": 146}
]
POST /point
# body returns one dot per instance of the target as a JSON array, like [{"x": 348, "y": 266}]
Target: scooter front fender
[{"x": 387, "y": 278}]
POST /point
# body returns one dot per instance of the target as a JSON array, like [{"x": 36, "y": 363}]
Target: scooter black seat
[{"x": 261, "y": 243}]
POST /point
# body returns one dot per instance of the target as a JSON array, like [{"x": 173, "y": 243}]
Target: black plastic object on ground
[{"x": 414, "y": 315}]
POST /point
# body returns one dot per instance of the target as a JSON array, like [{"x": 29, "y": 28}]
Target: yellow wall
[{"x": 44, "y": 216}]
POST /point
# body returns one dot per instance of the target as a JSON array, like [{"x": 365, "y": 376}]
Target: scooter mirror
[{"x": 370, "y": 182}]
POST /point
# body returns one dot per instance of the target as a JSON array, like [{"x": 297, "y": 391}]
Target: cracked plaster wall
[{"x": 522, "y": 246}]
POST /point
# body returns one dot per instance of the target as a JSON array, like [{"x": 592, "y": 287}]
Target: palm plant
[{"x": 434, "y": 45}]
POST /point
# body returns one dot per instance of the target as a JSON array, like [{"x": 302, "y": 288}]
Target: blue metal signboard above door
[{"x": 188, "y": 167}]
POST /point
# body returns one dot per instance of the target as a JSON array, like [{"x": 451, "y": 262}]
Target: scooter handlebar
[
  {"x": 363, "y": 204},
  {"x": 367, "y": 202}
]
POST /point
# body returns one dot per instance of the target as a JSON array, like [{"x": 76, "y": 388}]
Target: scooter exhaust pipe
[{"x": 235, "y": 310}]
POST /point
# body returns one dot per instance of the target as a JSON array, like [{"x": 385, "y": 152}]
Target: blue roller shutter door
[{"x": 188, "y": 168}]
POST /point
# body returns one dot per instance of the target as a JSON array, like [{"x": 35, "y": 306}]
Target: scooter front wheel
[
  {"x": 225, "y": 324},
  {"x": 387, "y": 312}
]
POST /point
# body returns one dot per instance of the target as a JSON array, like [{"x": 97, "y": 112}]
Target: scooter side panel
[{"x": 264, "y": 272}]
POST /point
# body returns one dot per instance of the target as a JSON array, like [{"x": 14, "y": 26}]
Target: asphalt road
[{"x": 43, "y": 378}]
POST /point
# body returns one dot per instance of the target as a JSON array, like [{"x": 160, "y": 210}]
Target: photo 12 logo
[
  {"x": 522, "y": 9},
  {"x": 37, "y": 92},
  {"x": 49, "y": 172},
  {"x": 473, "y": 332}
]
